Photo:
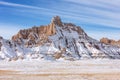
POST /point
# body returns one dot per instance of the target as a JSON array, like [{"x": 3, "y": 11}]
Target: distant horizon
[{"x": 98, "y": 18}]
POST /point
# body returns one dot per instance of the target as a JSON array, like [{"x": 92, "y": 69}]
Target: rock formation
[
  {"x": 54, "y": 41},
  {"x": 110, "y": 42}
]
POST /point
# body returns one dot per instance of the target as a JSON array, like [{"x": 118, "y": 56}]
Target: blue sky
[{"x": 99, "y": 18}]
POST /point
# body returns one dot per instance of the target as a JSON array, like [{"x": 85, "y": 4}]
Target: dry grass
[
  {"x": 3, "y": 72},
  {"x": 80, "y": 70},
  {"x": 13, "y": 75}
]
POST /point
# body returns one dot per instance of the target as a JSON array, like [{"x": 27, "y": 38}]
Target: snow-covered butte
[{"x": 56, "y": 40}]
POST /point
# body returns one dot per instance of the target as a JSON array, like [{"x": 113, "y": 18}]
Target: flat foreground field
[{"x": 60, "y": 70}]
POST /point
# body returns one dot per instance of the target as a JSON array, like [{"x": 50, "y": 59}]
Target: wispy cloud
[
  {"x": 18, "y": 5},
  {"x": 99, "y": 12},
  {"x": 95, "y": 11},
  {"x": 104, "y": 4},
  {"x": 26, "y": 6}
]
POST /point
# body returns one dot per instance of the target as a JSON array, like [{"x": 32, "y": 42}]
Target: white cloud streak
[
  {"x": 100, "y": 12},
  {"x": 18, "y": 5},
  {"x": 106, "y": 4},
  {"x": 26, "y": 6},
  {"x": 84, "y": 13}
]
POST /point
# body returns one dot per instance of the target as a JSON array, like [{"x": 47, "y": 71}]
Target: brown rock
[
  {"x": 57, "y": 21},
  {"x": 57, "y": 55},
  {"x": 105, "y": 40},
  {"x": 37, "y": 33},
  {"x": 110, "y": 41}
]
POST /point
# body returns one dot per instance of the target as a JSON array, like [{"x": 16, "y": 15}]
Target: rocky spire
[{"x": 57, "y": 21}]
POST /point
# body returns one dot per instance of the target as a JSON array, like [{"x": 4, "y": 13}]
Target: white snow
[{"x": 51, "y": 67}]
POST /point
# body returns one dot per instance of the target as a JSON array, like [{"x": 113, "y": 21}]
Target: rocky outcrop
[
  {"x": 37, "y": 35},
  {"x": 35, "y": 32},
  {"x": 57, "y": 21},
  {"x": 110, "y": 41},
  {"x": 47, "y": 30}
]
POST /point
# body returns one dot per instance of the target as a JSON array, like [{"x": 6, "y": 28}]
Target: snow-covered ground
[{"x": 61, "y": 70}]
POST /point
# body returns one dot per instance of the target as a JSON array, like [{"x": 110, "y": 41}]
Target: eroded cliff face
[
  {"x": 47, "y": 30},
  {"x": 37, "y": 35},
  {"x": 110, "y": 42}
]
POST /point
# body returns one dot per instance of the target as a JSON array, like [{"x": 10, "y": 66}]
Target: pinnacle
[{"x": 56, "y": 20}]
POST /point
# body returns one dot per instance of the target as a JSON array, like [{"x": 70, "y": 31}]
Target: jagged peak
[
  {"x": 48, "y": 30},
  {"x": 57, "y": 21}
]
